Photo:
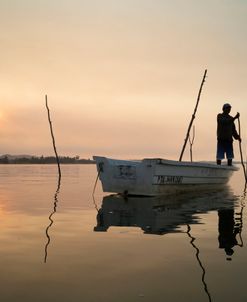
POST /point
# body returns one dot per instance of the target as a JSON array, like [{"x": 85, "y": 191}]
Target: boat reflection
[{"x": 161, "y": 215}]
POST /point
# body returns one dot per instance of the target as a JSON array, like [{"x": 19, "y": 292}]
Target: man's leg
[
  {"x": 220, "y": 154},
  {"x": 218, "y": 161},
  {"x": 229, "y": 153}
]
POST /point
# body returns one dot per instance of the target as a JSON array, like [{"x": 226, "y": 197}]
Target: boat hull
[{"x": 152, "y": 177}]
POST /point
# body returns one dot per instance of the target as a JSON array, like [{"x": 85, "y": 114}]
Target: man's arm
[{"x": 236, "y": 116}]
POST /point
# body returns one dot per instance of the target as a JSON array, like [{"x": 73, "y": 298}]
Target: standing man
[{"x": 226, "y": 131}]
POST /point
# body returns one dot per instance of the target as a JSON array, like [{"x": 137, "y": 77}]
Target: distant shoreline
[{"x": 42, "y": 160}]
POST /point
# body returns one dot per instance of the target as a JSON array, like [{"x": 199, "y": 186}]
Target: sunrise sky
[{"x": 122, "y": 77}]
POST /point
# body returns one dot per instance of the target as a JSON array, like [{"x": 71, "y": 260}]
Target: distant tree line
[{"x": 45, "y": 160}]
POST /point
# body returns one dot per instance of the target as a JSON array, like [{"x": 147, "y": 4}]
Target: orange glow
[
  {"x": 1, "y": 211},
  {"x": 121, "y": 77},
  {"x": 1, "y": 115}
]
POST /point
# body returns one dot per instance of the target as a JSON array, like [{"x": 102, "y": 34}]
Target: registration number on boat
[
  {"x": 167, "y": 179},
  {"x": 125, "y": 172}
]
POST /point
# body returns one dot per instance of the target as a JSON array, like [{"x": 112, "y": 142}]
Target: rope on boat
[
  {"x": 95, "y": 184},
  {"x": 240, "y": 150},
  {"x": 96, "y": 181}
]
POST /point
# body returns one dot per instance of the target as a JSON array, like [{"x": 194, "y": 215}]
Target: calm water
[{"x": 65, "y": 246}]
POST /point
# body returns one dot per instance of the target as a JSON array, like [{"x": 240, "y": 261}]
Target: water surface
[{"x": 63, "y": 245}]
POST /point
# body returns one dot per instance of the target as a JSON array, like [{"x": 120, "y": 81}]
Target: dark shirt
[{"x": 226, "y": 129}]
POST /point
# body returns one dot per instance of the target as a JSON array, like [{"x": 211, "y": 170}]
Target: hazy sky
[{"x": 122, "y": 77}]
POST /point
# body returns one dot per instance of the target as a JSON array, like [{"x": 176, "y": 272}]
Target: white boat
[{"x": 155, "y": 176}]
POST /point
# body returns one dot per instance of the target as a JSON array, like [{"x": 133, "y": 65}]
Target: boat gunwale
[
  {"x": 161, "y": 161},
  {"x": 192, "y": 164}
]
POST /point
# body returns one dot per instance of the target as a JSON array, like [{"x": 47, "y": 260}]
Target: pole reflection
[
  {"x": 50, "y": 218},
  {"x": 192, "y": 242}
]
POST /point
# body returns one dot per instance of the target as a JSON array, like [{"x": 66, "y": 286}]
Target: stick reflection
[
  {"x": 50, "y": 218},
  {"x": 192, "y": 242}
]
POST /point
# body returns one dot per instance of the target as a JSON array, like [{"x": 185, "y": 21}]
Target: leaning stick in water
[
  {"x": 52, "y": 135},
  {"x": 240, "y": 150},
  {"x": 193, "y": 116}
]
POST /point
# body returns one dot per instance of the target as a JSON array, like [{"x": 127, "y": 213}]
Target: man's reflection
[{"x": 228, "y": 231}]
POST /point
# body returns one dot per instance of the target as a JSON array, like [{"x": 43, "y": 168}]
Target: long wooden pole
[
  {"x": 240, "y": 150},
  {"x": 191, "y": 143},
  {"x": 52, "y": 135},
  {"x": 193, "y": 116}
]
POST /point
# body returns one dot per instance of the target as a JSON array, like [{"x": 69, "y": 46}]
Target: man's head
[{"x": 226, "y": 108}]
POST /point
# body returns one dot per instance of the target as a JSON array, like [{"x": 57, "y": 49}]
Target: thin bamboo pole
[
  {"x": 53, "y": 138},
  {"x": 240, "y": 150},
  {"x": 193, "y": 116},
  {"x": 191, "y": 141}
]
